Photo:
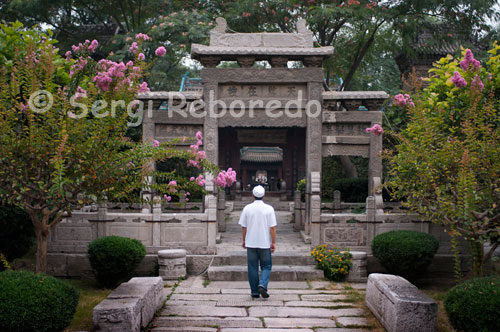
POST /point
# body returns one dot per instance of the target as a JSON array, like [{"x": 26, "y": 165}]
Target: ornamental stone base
[{"x": 172, "y": 263}]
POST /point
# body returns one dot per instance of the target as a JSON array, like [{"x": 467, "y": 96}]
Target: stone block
[
  {"x": 399, "y": 305},
  {"x": 172, "y": 263},
  {"x": 117, "y": 315},
  {"x": 358, "y": 271},
  {"x": 131, "y": 303}
]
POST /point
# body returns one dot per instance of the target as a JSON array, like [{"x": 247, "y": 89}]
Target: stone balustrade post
[
  {"x": 297, "y": 212},
  {"x": 336, "y": 201},
  {"x": 221, "y": 211}
]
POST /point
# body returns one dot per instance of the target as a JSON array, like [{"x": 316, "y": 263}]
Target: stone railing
[{"x": 193, "y": 231}]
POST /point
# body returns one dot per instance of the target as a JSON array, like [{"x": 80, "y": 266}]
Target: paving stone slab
[
  {"x": 283, "y": 291},
  {"x": 184, "y": 329},
  {"x": 302, "y": 312},
  {"x": 317, "y": 304},
  {"x": 252, "y": 303},
  {"x": 342, "y": 329},
  {"x": 324, "y": 297},
  {"x": 272, "y": 284},
  {"x": 191, "y": 303},
  {"x": 204, "y": 311},
  {"x": 361, "y": 286},
  {"x": 192, "y": 290},
  {"x": 208, "y": 321},
  {"x": 320, "y": 284},
  {"x": 230, "y": 297},
  {"x": 298, "y": 322},
  {"x": 353, "y": 321},
  {"x": 265, "y": 330}
]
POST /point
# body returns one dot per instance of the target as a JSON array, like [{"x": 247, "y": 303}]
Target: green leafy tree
[
  {"x": 63, "y": 131},
  {"x": 447, "y": 161}
]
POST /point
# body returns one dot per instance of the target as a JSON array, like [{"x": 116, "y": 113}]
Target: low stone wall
[
  {"x": 399, "y": 305},
  {"x": 68, "y": 243},
  {"x": 130, "y": 307}
]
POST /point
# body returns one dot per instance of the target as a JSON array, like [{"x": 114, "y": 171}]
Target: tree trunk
[
  {"x": 41, "y": 250},
  {"x": 349, "y": 167}
]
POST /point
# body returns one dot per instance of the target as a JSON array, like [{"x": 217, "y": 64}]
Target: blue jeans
[{"x": 254, "y": 256}]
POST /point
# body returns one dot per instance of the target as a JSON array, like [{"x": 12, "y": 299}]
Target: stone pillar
[
  {"x": 238, "y": 191},
  {"x": 211, "y": 211},
  {"x": 336, "y": 201},
  {"x": 375, "y": 161},
  {"x": 221, "y": 211},
  {"x": 172, "y": 263},
  {"x": 297, "y": 212},
  {"x": 210, "y": 126},
  {"x": 283, "y": 189},
  {"x": 148, "y": 134},
  {"x": 371, "y": 212}
]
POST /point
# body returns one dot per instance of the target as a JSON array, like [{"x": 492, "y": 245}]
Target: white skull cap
[{"x": 258, "y": 191}]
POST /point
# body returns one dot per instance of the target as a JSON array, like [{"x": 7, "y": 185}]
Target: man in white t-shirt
[{"x": 258, "y": 222}]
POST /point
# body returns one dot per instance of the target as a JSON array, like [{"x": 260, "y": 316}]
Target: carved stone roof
[{"x": 261, "y": 45}]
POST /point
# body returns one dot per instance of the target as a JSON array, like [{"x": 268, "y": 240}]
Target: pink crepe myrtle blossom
[
  {"x": 133, "y": 48},
  {"x": 143, "y": 87},
  {"x": 160, "y": 51},
  {"x": 458, "y": 80},
  {"x": 155, "y": 143},
  {"x": 402, "y": 100},
  {"x": 191, "y": 178},
  {"x": 167, "y": 198},
  {"x": 225, "y": 178},
  {"x": 141, "y": 57},
  {"x": 193, "y": 163},
  {"x": 187, "y": 199},
  {"x": 469, "y": 61},
  {"x": 80, "y": 93},
  {"x": 172, "y": 183},
  {"x": 142, "y": 36},
  {"x": 200, "y": 180},
  {"x": 477, "y": 83},
  {"x": 376, "y": 130}
]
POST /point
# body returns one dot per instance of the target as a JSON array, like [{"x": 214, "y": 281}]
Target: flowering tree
[
  {"x": 447, "y": 161},
  {"x": 63, "y": 129}
]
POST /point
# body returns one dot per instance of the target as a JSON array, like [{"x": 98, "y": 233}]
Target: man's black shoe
[
  {"x": 263, "y": 292},
  {"x": 255, "y": 296}
]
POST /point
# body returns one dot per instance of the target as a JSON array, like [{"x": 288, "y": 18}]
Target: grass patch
[
  {"x": 90, "y": 296},
  {"x": 439, "y": 295},
  {"x": 206, "y": 282}
]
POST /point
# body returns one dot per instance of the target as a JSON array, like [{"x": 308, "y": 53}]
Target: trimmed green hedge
[
  {"x": 474, "y": 305},
  {"x": 32, "y": 302},
  {"x": 113, "y": 258},
  {"x": 405, "y": 253}
]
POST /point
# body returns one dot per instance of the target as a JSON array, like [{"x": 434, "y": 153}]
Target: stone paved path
[{"x": 293, "y": 306}]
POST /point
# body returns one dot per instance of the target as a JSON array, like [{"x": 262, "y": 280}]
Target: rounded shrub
[
  {"x": 405, "y": 253},
  {"x": 473, "y": 305},
  {"x": 16, "y": 232},
  {"x": 113, "y": 258},
  {"x": 32, "y": 302}
]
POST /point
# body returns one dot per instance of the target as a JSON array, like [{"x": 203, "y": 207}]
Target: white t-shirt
[{"x": 258, "y": 217}]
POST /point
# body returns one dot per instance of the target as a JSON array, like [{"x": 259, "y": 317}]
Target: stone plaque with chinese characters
[
  {"x": 262, "y": 136},
  {"x": 171, "y": 131},
  {"x": 345, "y": 129},
  {"x": 263, "y": 91}
]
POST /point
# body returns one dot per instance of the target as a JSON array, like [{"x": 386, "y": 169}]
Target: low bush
[
  {"x": 113, "y": 258},
  {"x": 474, "y": 305},
  {"x": 16, "y": 232},
  {"x": 405, "y": 253},
  {"x": 335, "y": 263},
  {"x": 35, "y": 302}
]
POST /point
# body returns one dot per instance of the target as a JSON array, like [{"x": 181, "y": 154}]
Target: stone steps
[
  {"x": 279, "y": 273},
  {"x": 279, "y": 258}
]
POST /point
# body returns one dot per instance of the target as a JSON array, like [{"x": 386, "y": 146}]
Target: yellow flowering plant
[{"x": 334, "y": 262}]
